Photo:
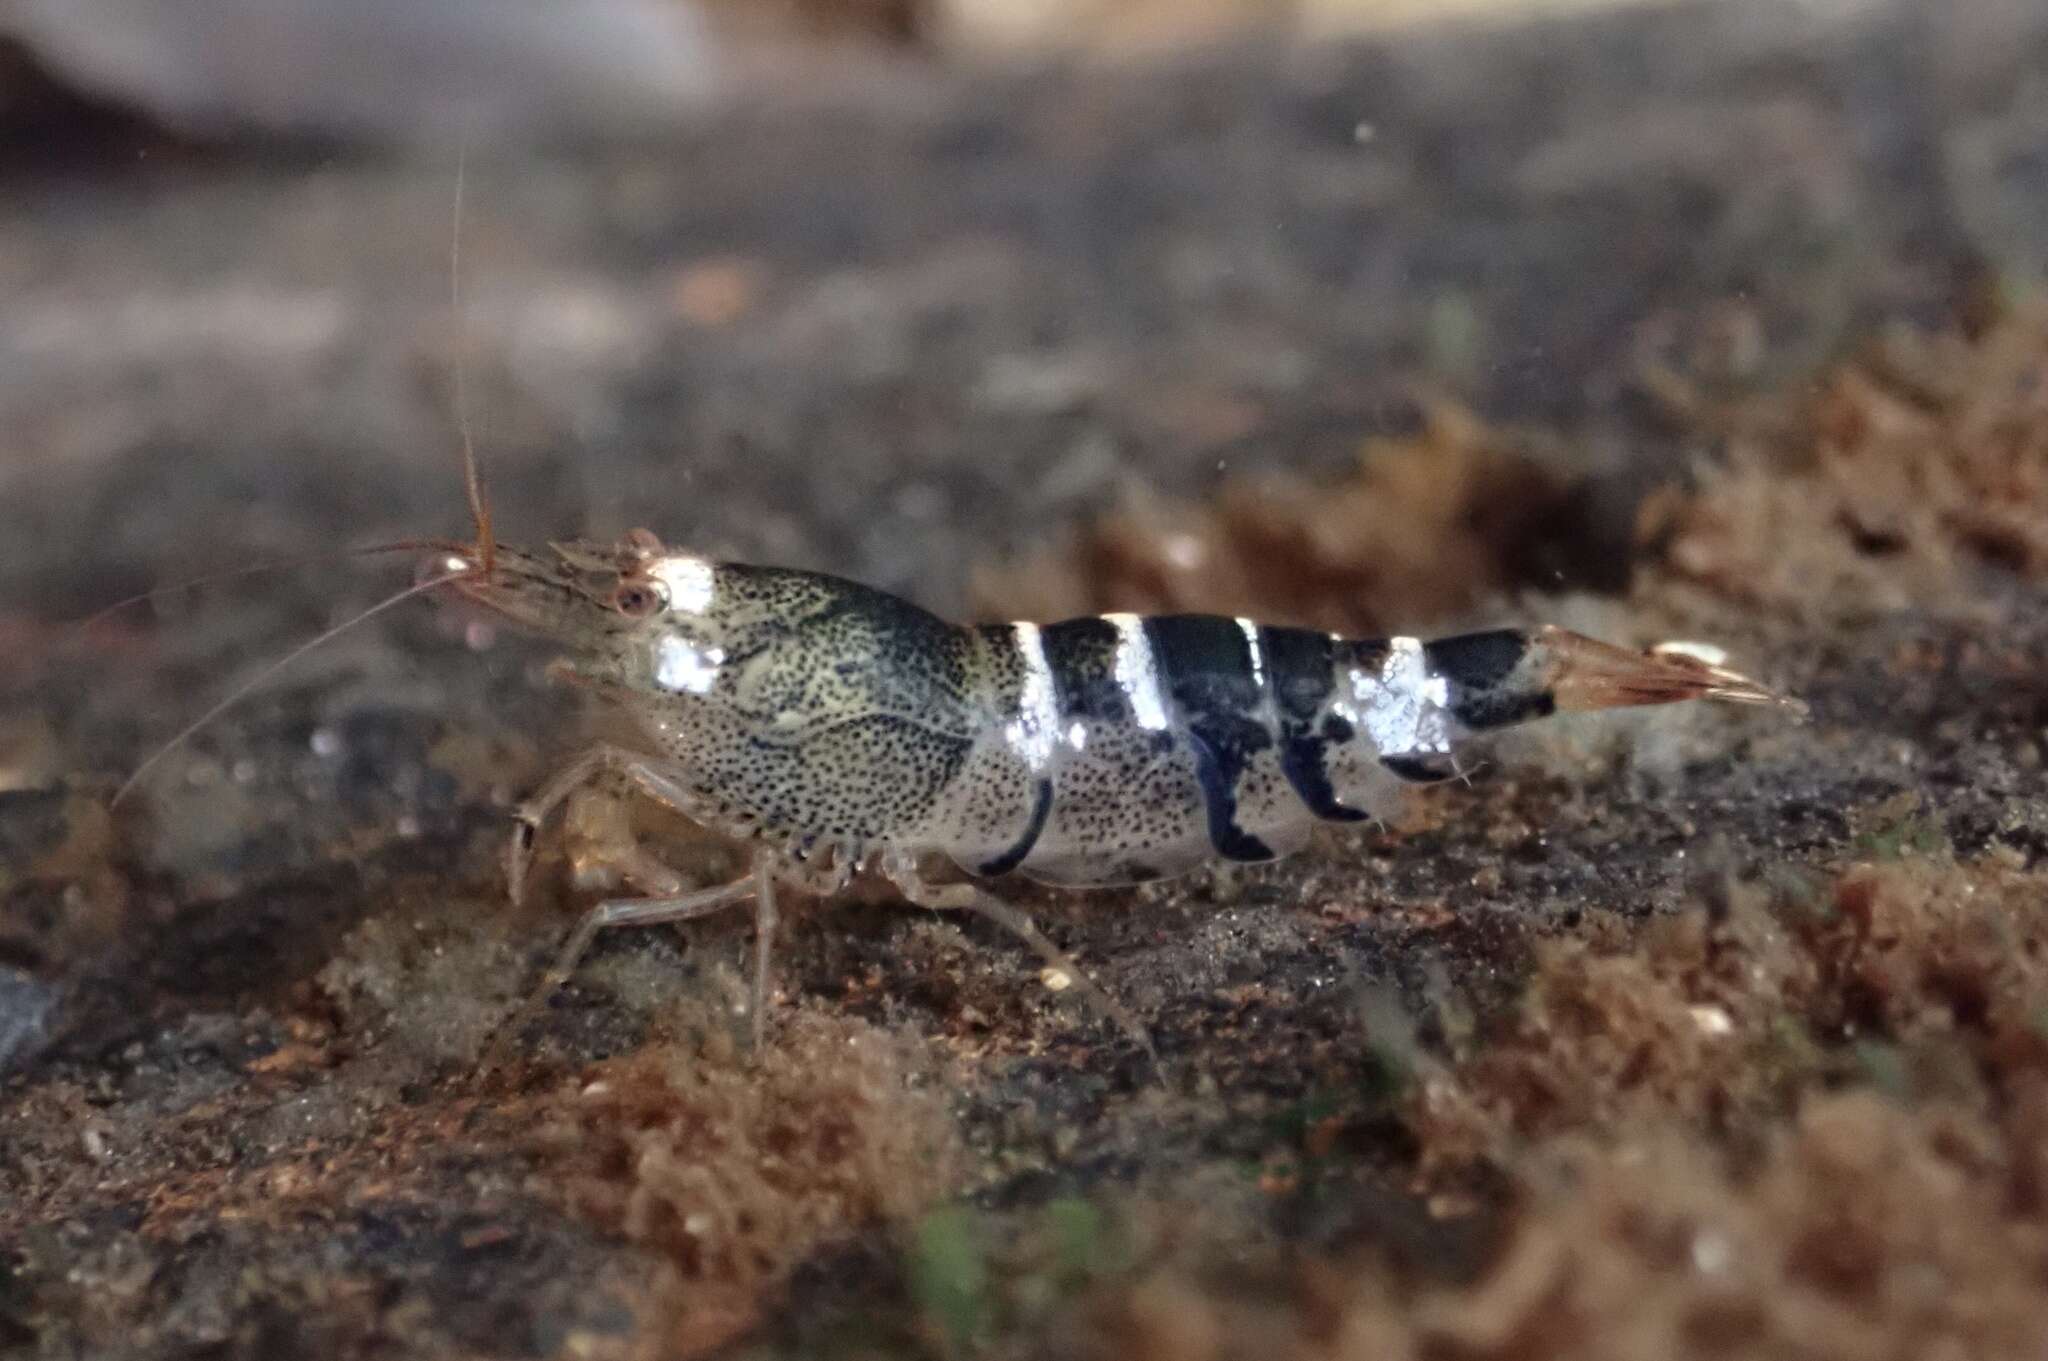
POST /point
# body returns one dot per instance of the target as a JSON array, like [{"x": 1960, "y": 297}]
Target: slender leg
[
  {"x": 968, "y": 898},
  {"x": 645, "y": 773},
  {"x": 623, "y": 912},
  {"x": 764, "y": 940}
]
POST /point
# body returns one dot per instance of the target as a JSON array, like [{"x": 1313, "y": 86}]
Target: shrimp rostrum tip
[{"x": 839, "y": 727}]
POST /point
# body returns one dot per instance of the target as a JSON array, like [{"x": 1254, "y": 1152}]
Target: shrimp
[{"x": 840, "y": 728}]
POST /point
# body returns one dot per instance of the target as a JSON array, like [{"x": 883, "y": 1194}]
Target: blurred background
[{"x": 864, "y": 283}]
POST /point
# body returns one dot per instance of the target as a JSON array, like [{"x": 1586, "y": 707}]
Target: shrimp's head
[{"x": 603, "y": 603}]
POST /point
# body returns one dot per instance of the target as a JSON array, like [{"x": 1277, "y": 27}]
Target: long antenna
[{"x": 479, "y": 504}]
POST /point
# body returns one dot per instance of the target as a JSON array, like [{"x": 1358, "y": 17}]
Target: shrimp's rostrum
[{"x": 841, "y": 727}]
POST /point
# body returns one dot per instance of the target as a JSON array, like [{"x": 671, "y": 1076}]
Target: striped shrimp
[{"x": 842, "y": 728}]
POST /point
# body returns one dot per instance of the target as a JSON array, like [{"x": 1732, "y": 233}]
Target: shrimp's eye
[{"x": 637, "y": 599}]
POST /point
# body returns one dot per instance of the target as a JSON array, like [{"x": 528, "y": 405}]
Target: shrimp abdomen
[{"x": 1119, "y": 748}]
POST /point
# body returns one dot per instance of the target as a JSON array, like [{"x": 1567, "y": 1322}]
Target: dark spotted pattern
[
  {"x": 997, "y": 809},
  {"x": 1041, "y": 808},
  {"x": 1125, "y": 799},
  {"x": 840, "y": 713},
  {"x": 808, "y": 643}
]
